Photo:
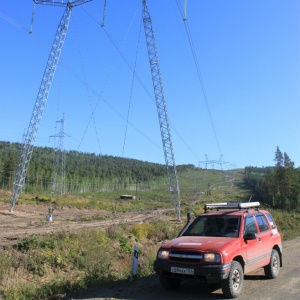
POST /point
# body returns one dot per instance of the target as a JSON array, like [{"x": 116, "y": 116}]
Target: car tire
[
  {"x": 169, "y": 283},
  {"x": 272, "y": 269},
  {"x": 233, "y": 284}
]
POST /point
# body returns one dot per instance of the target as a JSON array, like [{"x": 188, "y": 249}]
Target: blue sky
[{"x": 248, "y": 53}]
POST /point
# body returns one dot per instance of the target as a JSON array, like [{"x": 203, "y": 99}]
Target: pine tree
[{"x": 278, "y": 158}]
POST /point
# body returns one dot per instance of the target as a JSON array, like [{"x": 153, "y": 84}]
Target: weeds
[
  {"x": 98, "y": 268},
  {"x": 32, "y": 291},
  {"x": 288, "y": 223},
  {"x": 59, "y": 263},
  {"x": 154, "y": 231}
]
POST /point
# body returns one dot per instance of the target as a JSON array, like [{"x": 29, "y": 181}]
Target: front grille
[{"x": 185, "y": 256}]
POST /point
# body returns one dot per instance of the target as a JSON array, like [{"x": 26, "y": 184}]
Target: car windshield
[{"x": 225, "y": 226}]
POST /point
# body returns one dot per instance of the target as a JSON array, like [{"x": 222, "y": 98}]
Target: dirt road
[
  {"x": 256, "y": 286},
  {"x": 30, "y": 219},
  {"x": 27, "y": 220}
]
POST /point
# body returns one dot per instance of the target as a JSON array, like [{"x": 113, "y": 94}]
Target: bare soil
[{"x": 28, "y": 220}]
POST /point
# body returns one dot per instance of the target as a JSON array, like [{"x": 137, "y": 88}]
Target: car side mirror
[{"x": 250, "y": 236}]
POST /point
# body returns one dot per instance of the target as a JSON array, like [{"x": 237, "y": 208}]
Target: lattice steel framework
[
  {"x": 58, "y": 186},
  {"x": 30, "y": 136},
  {"x": 64, "y": 3},
  {"x": 161, "y": 110}
]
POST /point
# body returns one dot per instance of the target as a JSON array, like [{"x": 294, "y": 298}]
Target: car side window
[
  {"x": 250, "y": 226},
  {"x": 262, "y": 223}
]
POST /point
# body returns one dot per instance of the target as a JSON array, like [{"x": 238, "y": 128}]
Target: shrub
[
  {"x": 98, "y": 268},
  {"x": 6, "y": 262},
  {"x": 125, "y": 245},
  {"x": 155, "y": 231}
]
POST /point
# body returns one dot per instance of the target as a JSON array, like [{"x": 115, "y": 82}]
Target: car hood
[{"x": 202, "y": 243}]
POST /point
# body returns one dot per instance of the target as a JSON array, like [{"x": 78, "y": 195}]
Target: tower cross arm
[{"x": 70, "y": 3}]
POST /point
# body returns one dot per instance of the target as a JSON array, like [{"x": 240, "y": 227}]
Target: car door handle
[
  {"x": 271, "y": 234},
  {"x": 259, "y": 239}
]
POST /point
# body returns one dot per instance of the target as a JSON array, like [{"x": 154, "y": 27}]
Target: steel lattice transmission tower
[
  {"x": 220, "y": 162},
  {"x": 161, "y": 110},
  {"x": 30, "y": 136},
  {"x": 58, "y": 186}
]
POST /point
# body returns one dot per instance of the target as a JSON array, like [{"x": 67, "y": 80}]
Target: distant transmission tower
[
  {"x": 30, "y": 136},
  {"x": 219, "y": 162},
  {"x": 58, "y": 186},
  {"x": 161, "y": 110},
  {"x": 208, "y": 162}
]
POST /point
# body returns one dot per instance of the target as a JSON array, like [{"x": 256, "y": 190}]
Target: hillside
[
  {"x": 54, "y": 258},
  {"x": 108, "y": 176}
]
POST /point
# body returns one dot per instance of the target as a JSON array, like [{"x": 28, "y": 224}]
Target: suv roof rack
[{"x": 232, "y": 205}]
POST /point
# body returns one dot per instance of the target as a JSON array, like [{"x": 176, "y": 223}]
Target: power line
[
  {"x": 131, "y": 89},
  {"x": 88, "y": 90},
  {"x": 199, "y": 75},
  {"x": 42, "y": 97},
  {"x": 136, "y": 75}
]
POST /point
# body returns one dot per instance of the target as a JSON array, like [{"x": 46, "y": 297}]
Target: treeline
[
  {"x": 84, "y": 172},
  {"x": 277, "y": 186}
]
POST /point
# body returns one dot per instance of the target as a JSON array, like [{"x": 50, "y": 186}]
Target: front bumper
[{"x": 208, "y": 273}]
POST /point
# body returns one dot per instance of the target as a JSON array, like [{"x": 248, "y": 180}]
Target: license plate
[{"x": 182, "y": 271}]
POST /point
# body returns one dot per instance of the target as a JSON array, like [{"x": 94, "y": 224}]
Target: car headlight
[
  {"x": 212, "y": 257},
  {"x": 163, "y": 254}
]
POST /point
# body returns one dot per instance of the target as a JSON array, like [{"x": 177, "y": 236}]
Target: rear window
[{"x": 271, "y": 220}]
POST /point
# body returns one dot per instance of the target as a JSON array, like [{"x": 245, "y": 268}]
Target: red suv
[{"x": 221, "y": 245}]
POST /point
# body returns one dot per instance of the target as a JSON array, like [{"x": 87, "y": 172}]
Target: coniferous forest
[
  {"x": 277, "y": 186},
  {"x": 83, "y": 172}
]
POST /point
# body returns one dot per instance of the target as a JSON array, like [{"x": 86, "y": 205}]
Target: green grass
[
  {"x": 288, "y": 223},
  {"x": 58, "y": 263},
  {"x": 193, "y": 183}
]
